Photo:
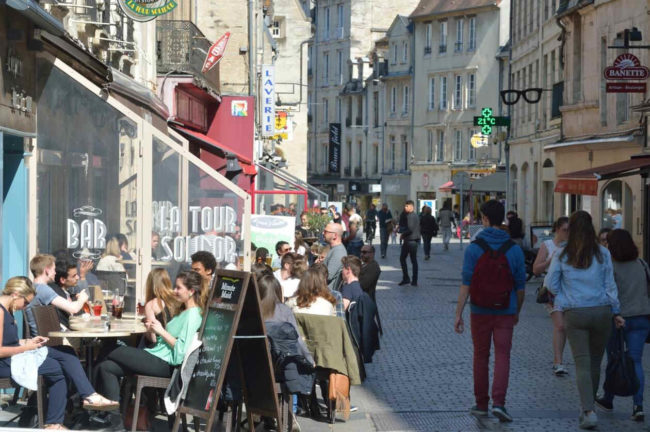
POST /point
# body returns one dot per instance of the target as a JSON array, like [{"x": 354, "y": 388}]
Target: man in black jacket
[
  {"x": 428, "y": 228},
  {"x": 410, "y": 232}
]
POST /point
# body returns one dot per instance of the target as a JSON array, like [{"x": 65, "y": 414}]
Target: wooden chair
[
  {"x": 47, "y": 320},
  {"x": 7, "y": 383}
]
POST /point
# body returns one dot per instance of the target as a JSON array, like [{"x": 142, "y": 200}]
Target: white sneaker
[
  {"x": 560, "y": 370},
  {"x": 588, "y": 420}
]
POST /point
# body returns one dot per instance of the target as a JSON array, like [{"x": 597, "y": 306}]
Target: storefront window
[
  {"x": 273, "y": 193},
  {"x": 616, "y": 207}
]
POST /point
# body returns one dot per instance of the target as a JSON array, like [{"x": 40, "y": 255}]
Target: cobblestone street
[{"x": 421, "y": 379}]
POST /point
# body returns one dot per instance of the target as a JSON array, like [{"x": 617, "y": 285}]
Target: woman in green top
[{"x": 191, "y": 290}]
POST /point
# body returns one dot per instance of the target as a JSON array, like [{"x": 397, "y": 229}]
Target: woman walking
[
  {"x": 542, "y": 262},
  {"x": 582, "y": 279},
  {"x": 632, "y": 283}
]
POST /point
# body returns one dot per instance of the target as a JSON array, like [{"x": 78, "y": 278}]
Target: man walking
[
  {"x": 494, "y": 274},
  {"x": 410, "y": 231},
  {"x": 445, "y": 221},
  {"x": 385, "y": 216},
  {"x": 370, "y": 270},
  {"x": 371, "y": 223},
  {"x": 429, "y": 229}
]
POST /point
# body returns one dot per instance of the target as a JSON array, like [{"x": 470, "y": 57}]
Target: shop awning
[
  {"x": 246, "y": 164},
  {"x": 447, "y": 187},
  {"x": 585, "y": 182},
  {"x": 491, "y": 183}
]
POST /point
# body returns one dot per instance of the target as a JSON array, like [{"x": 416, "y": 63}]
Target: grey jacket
[
  {"x": 630, "y": 277},
  {"x": 334, "y": 267},
  {"x": 412, "y": 232}
]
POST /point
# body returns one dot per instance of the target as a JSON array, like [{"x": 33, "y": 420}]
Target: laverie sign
[{"x": 268, "y": 100}]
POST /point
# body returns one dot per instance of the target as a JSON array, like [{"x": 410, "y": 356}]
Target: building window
[
  {"x": 339, "y": 72},
  {"x": 405, "y": 153},
  {"x": 440, "y": 149},
  {"x": 458, "y": 146},
  {"x": 326, "y": 108},
  {"x": 359, "y": 157},
  {"x": 375, "y": 109},
  {"x": 376, "y": 158},
  {"x": 458, "y": 92},
  {"x": 443, "y": 93},
  {"x": 443, "y": 37},
  {"x": 471, "y": 43},
  {"x": 394, "y": 46},
  {"x": 326, "y": 68},
  {"x": 325, "y": 155},
  {"x": 471, "y": 90},
  {"x": 339, "y": 108},
  {"x": 326, "y": 36},
  {"x": 405, "y": 100},
  {"x": 429, "y": 145},
  {"x": 428, "y": 28},
  {"x": 603, "y": 83},
  {"x": 392, "y": 152},
  {"x": 432, "y": 93},
  {"x": 458, "y": 47},
  {"x": 472, "y": 151},
  {"x": 340, "y": 16},
  {"x": 405, "y": 52},
  {"x": 393, "y": 99}
]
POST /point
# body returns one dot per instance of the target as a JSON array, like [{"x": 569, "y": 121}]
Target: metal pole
[{"x": 251, "y": 49}]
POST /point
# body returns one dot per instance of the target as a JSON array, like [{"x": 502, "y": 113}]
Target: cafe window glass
[{"x": 87, "y": 171}]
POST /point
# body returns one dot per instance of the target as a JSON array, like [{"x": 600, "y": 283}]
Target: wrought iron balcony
[{"x": 181, "y": 47}]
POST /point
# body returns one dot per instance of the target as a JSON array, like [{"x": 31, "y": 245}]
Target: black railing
[
  {"x": 427, "y": 50},
  {"x": 458, "y": 46},
  {"x": 442, "y": 49},
  {"x": 181, "y": 47},
  {"x": 348, "y": 122}
]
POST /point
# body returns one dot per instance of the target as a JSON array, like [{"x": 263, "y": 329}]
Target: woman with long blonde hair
[
  {"x": 160, "y": 303},
  {"x": 109, "y": 260}
]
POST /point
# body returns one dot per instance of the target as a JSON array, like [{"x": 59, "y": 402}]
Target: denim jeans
[
  {"x": 426, "y": 243},
  {"x": 486, "y": 328},
  {"x": 636, "y": 332},
  {"x": 383, "y": 239}
]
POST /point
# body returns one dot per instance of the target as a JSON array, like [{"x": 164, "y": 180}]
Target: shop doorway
[{"x": 13, "y": 213}]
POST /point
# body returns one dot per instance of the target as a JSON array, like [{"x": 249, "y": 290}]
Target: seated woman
[
  {"x": 108, "y": 261},
  {"x": 313, "y": 295},
  {"x": 293, "y": 267},
  {"x": 18, "y": 292},
  {"x": 161, "y": 304},
  {"x": 191, "y": 290}
]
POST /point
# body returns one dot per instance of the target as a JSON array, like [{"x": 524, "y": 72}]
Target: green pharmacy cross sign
[{"x": 487, "y": 121}]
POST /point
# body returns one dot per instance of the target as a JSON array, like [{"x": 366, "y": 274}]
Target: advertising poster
[{"x": 266, "y": 231}]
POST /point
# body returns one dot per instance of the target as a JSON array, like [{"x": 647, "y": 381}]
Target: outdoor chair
[
  {"x": 7, "y": 383},
  {"x": 47, "y": 320}
]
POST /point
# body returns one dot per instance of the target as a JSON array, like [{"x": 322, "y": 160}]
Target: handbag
[
  {"x": 647, "y": 280},
  {"x": 339, "y": 390},
  {"x": 620, "y": 377},
  {"x": 142, "y": 422},
  {"x": 542, "y": 295}
]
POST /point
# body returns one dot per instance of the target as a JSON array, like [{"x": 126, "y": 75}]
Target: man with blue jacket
[{"x": 489, "y": 324}]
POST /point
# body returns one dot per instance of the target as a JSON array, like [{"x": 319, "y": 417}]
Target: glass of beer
[{"x": 269, "y": 260}]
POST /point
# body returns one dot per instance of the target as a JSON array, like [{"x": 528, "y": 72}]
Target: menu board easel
[{"x": 232, "y": 330}]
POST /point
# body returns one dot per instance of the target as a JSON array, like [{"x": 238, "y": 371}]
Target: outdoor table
[{"x": 92, "y": 329}]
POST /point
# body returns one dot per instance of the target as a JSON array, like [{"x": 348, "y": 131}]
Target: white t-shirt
[
  {"x": 289, "y": 286},
  {"x": 320, "y": 306}
]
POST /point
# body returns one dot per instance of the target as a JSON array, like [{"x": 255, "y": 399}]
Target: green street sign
[{"x": 487, "y": 121}]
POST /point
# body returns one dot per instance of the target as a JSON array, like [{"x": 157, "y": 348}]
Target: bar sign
[{"x": 268, "y": 100}]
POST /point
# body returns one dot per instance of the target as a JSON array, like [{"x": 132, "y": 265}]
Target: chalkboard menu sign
[
  {"x": 232, "y": 323},
  {"x": 216, "y": 334}
]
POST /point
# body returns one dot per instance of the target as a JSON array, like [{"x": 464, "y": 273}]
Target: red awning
[
  {"x": 577, "y": 186},
  {"x": 585, "y": 182},
  {"x": 447, "y": 187},
  {"x": 247, "y": 165}
]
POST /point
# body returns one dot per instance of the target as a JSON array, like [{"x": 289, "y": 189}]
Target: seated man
[
  {"x": 370, "y": 271},
  {"x": 68, "y": 282},
  {"x": 281, "y": 248}
]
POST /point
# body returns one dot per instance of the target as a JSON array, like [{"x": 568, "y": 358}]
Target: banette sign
[{"x": 626, "y": 67}]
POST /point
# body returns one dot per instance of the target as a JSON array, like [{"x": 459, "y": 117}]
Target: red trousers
[{"x": 486, "y": 328}]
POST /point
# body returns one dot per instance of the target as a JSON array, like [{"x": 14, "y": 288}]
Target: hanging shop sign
[
  {"x": 626, "y": 67},
  {"x": 208, "y": 231},
  {"x": 283, "y": 125},
  {"x": 215, "y": 53},
  {"x": 239, "y": 108},
  {"x": 146, "y": 10},
  {"x": 335, "y": 147},
  {"x": 268, "y": 100},
  {"x": 479, "y": 140},
  {"x": 487, "y": 121}
]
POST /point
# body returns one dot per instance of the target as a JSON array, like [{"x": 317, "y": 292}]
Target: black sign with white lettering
[{"x": 335, "y": 147}]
